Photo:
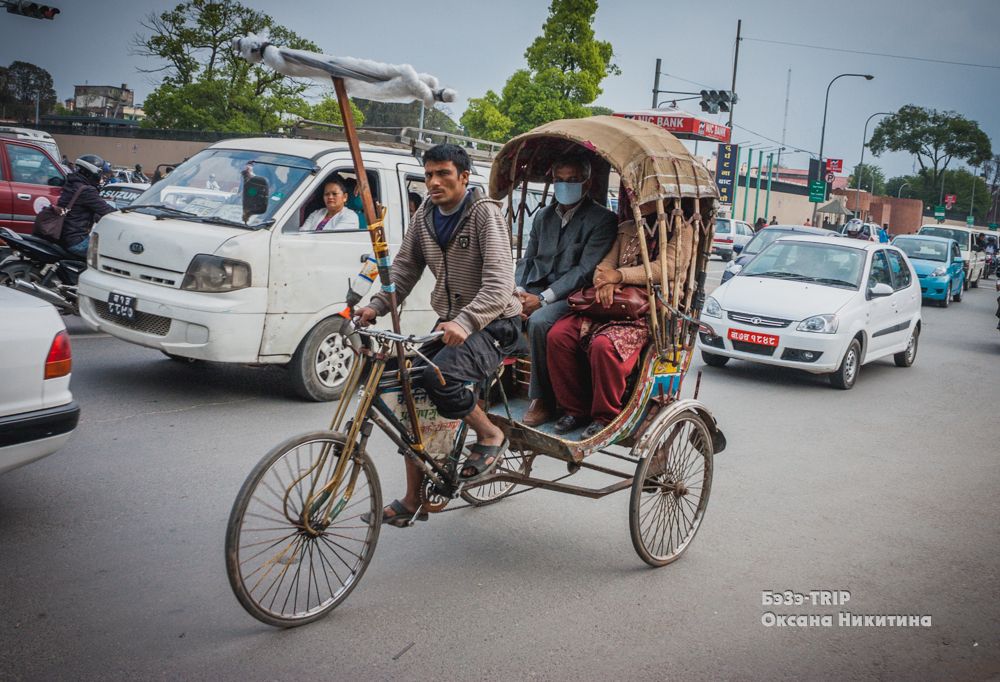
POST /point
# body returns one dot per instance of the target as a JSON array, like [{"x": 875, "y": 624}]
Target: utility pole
[
  {"x": 656, "y": 82},
  {"x": 767, "y": 200},
  {"x": 38, "y": 96},
  {"x": 784, "y": 125},
  {"x": 736, "y": 61}
]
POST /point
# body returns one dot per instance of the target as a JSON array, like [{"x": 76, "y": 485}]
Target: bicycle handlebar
[{"x": 386, "y": 335}]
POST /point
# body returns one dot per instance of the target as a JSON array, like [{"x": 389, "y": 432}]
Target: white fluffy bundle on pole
[{"x": 362, "y": 77}]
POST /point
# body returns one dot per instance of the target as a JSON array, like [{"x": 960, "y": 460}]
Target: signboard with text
[
  {"x": 725, "y": 172},
  {"x": 939, "y": 212},
  {"x": 681, "y": 124},
  {"x": 834, "y": 165},
  {"x": 817, "y": 191},
  {"x": 949, "y": 200},
  {"x": 970, "y": 220}
]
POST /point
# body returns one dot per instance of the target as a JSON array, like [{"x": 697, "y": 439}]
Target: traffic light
[
  {"x": 32, "y": 9},
  {"x": 714, "y": 101}
]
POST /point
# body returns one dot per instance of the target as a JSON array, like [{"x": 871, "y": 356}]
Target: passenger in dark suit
[{"x": 568, "y": 239}]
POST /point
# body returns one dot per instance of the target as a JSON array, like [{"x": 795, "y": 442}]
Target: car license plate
[
  {"x": 753, "y": 337},
  {"x": 120, "y": 305}
]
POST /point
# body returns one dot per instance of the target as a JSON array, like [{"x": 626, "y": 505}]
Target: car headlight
[
  {"x": 712, "y": 308},
  {"x": 92, "y": 250},
  {"x": 216, "y": 274},
  {"x": 938, "y": 272},
  {"x": 820, "y": 324}
]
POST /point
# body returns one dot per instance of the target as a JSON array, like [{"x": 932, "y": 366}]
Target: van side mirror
[
  {"x": 256, "y": 192},
  {"x": 57, "y": 181},
  {"x": 737, "y": 248}
]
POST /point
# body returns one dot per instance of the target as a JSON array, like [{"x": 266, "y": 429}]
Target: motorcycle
[{"x": 43, "y": 269}]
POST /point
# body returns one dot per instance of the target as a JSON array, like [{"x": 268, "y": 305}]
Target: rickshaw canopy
[{"x": 652, "y": 163}]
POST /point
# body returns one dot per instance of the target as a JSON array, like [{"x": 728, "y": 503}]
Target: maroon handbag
[{"x": 630, "y": 303}]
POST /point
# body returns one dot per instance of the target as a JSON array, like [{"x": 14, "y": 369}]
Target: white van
[
  {"x": 973, "y": 259},
  {"x": 38, "y": 137},
  {"x": 179, "y": 270}
]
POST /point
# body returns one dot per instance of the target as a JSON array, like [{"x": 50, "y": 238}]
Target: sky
[{"x": 475, "y": 45}]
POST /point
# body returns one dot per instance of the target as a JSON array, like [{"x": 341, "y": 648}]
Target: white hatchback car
[
  {"x": 816, "y": 304},
  {"x": 37, "y": 412}
]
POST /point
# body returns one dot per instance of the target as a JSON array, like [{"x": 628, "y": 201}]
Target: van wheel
[
  {"x": 847, "y": 373},
  {"x": 975, "y": 283},
  {"x": 324, "y": 359}
]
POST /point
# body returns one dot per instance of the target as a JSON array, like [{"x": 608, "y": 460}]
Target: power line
[
  {"x": 771, "y": 139},
  {"x": 875, "y": 54},
  {"x": 670, "y": 75}
]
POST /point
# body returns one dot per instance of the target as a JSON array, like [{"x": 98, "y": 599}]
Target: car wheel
[
  {"x": 906, "y": 357},
  {"x": 181, "y": 359},
  {"x": 847, "y": 373},
  {"x": 713, "y": 360},
  {"x": 946, "y": 301},
  {"x": 956, "y": 296},
  {"x": 323, "y": 361},
  {"x": 965, "y": 284}
]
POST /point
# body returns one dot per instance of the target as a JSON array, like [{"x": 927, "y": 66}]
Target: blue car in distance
[{"x": 938, "y": 262}]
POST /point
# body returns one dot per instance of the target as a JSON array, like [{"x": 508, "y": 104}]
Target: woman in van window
[{"x": 335, "y": 216}]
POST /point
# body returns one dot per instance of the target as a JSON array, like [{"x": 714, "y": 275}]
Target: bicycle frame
[{"x": 372, "y": 409}]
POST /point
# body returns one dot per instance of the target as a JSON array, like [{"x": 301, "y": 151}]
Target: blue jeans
[{"x": 80, "y": 248}]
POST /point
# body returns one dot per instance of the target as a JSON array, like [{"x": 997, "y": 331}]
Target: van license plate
[
  {"x": 753, "y": 337},
  {"x": 120, "y": 305}
]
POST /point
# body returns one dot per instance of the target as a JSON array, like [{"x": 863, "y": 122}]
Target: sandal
[
  {"x": 401, "y": 517},
  {"x": 477, "y": 460}
]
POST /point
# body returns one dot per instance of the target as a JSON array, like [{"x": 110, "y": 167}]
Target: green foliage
[
  {"x": 958, "y": 182},
  {"x": 207, "y": 86},
  {"x": 933, "y": 137},
  {"x": 396, "y": 115},
  {"x": 566, "y": 66},
  {"x": 872, "y": 178},
  {"x": 327, "y": 110},
  {"x": 20, "y": 83}
]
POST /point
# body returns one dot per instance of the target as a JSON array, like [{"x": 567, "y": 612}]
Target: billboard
[{"x": 726, "y": 172}]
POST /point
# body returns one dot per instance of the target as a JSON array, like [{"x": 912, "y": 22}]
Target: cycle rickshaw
[{"x": 306, "y": 522}]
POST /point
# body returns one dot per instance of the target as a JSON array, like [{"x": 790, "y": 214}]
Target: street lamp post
[
  {"x": 899, "y": 194},
  {"x": 861, "y": 164},
  {"x": 826, "y": 106}
]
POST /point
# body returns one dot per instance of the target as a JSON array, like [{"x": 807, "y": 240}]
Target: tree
[
  {"x": 20, "y": 84},
  {"x": 206, "y": 85},
  {"x": 957, "y": 182},
  {"x": 872, "y": 178},
  {"x": 327, "y": 110},
  {"x": 398, "y": 115},
  {"x": 566, "y": 65},
  {"x": 933, "y": 137}
]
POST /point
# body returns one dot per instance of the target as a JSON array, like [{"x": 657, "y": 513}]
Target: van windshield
[
  {"x": 208, "y": 186},
  {"x": 963, "y": 238}
]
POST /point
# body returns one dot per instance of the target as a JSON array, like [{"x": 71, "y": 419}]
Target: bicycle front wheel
[{"x": 293, "y": 554}]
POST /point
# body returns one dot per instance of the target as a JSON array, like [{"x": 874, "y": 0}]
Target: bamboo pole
[
  {"x": 646, "y": 265},
  {"x": 376, "y": 232}
]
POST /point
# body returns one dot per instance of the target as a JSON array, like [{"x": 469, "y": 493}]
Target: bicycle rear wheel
[
  {"x": 287, "y": 565},
  {"x": 671, "y": 488}
]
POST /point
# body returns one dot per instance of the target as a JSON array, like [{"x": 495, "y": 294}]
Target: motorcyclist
[
  {"x": 854, "y": 230},
  {"x": 88, "y": 208},
  {"x": 139, "y": 175}
]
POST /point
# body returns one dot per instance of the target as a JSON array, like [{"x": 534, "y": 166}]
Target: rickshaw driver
[
  {"x": 569, "y": 237},
  {"x": 461, "y": 237}
]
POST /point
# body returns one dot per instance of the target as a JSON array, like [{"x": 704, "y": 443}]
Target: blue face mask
[{"x": 568, "y": 193}]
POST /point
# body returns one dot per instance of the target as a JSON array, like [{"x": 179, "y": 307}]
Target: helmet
[
  {"x": 853, "y": 227},
  {"x": 90, "y": 166},
  {"x": 138, "y": 167},
  {"x": 106, "y": 168}
]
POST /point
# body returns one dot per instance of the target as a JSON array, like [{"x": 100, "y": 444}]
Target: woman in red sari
[{"x": 589, "y": 360}]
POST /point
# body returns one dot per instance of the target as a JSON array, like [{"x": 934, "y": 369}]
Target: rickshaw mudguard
[{"x": 676, "y": 407}]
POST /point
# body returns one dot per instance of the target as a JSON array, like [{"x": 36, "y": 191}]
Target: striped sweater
[{"x": 474, "y": 272}]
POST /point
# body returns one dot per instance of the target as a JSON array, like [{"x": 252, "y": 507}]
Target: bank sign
[
  {"x": 681, "y": 125},
  {"x": 725, "y": 172}
]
